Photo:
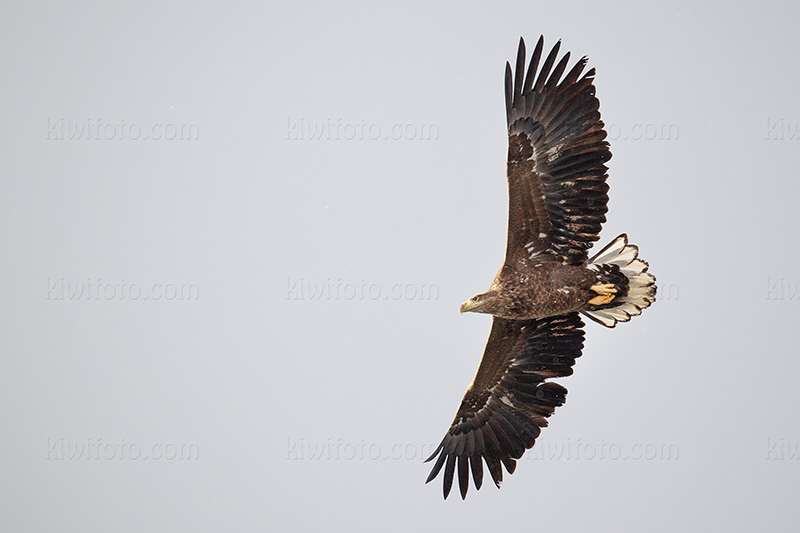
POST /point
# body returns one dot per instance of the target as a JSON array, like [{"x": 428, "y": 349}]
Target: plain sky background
[{"x": 684, "y": 419}]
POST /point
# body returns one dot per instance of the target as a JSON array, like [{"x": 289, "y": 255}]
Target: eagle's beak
[{"x": 466, "y": 306}]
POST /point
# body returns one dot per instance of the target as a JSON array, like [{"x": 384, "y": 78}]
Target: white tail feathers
[{"x": 641, "y": 284}]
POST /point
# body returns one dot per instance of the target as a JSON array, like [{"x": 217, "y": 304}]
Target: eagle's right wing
[
  {"x": 509, "y": 400},
  {"x": 556, "y": 154}
]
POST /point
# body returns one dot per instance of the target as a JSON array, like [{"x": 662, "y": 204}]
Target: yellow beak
[{"x": 466, "y": 306}]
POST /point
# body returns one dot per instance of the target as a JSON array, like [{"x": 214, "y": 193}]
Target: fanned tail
[{"x": 624, "y": 276}]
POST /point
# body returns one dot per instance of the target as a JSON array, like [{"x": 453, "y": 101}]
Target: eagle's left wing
[{"x": 509, "y": 400}]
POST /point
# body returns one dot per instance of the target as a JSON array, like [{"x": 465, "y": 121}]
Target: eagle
[{"x": 557, "y": 192}]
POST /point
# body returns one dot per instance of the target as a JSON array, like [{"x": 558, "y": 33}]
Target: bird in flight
[{"x": 557, "y": 192}]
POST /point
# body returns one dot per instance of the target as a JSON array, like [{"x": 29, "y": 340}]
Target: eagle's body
[
  {"x": 540, "y": 289},
  {"x": 557, "y": 203}
]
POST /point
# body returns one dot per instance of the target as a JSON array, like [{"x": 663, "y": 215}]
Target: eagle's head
[{"x": 485, "y": 302}]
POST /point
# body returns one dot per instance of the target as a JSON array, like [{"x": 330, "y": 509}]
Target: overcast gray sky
[{"x": 236, "y": 237}]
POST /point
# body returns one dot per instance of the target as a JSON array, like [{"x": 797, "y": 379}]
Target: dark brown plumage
[{"x": 557, "y": 203}]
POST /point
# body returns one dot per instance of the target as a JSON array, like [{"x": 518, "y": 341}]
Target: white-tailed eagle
[{"x": 557, "y": 191}]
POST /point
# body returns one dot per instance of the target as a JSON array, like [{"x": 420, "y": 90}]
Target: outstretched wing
[
  {"x": 509, "y": 400},
  {"x": 556, "y": 154}
]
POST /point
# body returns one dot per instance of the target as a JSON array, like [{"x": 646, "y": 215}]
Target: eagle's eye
[{"x": 475, "y": 298}]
